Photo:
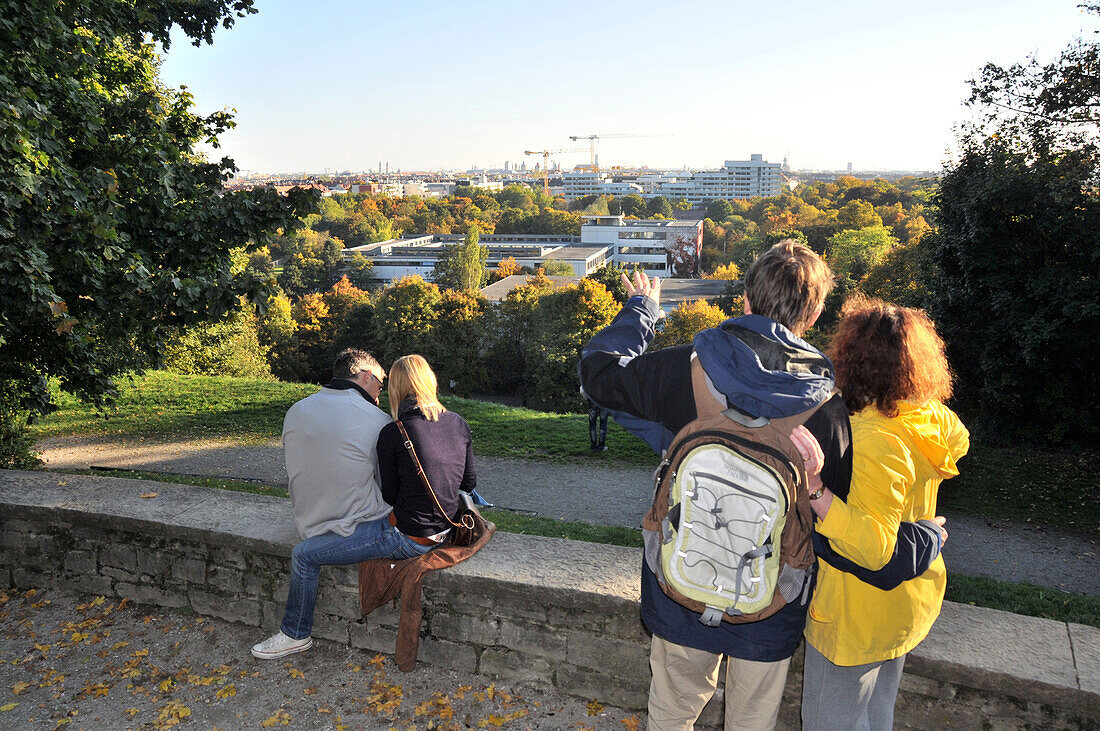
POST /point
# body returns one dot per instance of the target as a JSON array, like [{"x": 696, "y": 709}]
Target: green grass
[
  {"x": 1042, "y": 488},
  {"x": 1023, "y": 598}
]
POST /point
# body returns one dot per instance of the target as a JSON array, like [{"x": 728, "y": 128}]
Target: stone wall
[{"x": 526, "y": 608}]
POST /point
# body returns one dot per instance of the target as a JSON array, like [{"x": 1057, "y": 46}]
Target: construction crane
[
  {"x": 592, "y": 143},
  {"x": 546, "y": 165}
]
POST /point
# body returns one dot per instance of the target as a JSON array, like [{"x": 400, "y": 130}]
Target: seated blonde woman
[{"x": 437, "y": 439}]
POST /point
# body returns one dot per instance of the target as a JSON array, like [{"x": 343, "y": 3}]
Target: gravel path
[
  {"x": 997, "y": 548},
  {"x": 100, "y": 664}
]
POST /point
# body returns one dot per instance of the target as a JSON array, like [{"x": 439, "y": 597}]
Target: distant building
[
  {"x": 750, "y": 178},
  {"x": 663, "y": 247},
  {"x": 579, "y": 184}
]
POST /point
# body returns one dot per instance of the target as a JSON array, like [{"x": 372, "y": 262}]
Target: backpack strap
[{"x": 707, "y": 402}]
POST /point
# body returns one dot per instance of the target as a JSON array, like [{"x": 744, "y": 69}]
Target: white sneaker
[{"x": 279, "y": 645}]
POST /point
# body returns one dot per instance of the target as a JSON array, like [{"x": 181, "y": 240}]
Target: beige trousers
[{"x": 685, "y": 679}]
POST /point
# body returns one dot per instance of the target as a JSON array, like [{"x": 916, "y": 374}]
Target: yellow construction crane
[
  {"x": 592, "y": 143},
  {"x": 546, "y": 165}
]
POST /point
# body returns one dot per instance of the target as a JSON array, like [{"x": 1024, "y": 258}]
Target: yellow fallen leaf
[
  {"x": 8, "y": 706},
  {"x": 227, "y": 692},
  {"x": 119, "y": 645},
  {"x": 296, "y": 673},
  {"x": 280, "y": 718},
  {"x": 98, "y": 600},
  {"x": 165, "y": 685},
  {"x": 149, "y": 494},
  {"x": 631, "y": 723},
  {"x": 131, "y": 712},
  {"x": 594, "y": 707},
  {"x": 124, "y": 602},
  {"x": 310, "y": 691},
  {"x": 19, "y": 687},
  {"x": 29, "y": 593}
]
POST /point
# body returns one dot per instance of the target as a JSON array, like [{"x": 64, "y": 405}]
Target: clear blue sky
[{"x": 343, "y": 84}]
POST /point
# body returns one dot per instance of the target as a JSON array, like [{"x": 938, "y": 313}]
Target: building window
[{"x": 657, "y": 235}]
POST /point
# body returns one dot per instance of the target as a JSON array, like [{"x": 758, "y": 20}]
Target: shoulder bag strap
[{"x": 427, "y": 485}]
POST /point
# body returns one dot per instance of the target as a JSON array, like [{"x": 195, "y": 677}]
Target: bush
[{"x": 228, "y": 348}]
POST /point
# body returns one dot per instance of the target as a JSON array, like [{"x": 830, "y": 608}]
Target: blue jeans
[{"x": 371, "y": 539}]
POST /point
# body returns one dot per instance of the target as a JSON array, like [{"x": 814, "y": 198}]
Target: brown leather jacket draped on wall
[{"x": 384, "y": 580}]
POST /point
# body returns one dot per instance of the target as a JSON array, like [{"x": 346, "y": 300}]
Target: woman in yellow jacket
[{"x": 892, "y": 371}]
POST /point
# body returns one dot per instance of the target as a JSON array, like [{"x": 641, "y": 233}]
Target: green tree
[
  {"x": 1017, "y": 253},
  {"x": 405, "y": 317},
  {"x": 277, "y": 330},
  {"x": 455, "y": 351},
  {"x": 462, "y": 266},
  {"x": 558, "y": 268},
  {"x": 564, "y": 320},
  {"x": 114, "y": 231},
  {"x": 229, "y": 347},
  {"x": 659, "y": 206},
  {"x": 360, "y": 270},
  {"x": 858, "y": 214},
  {"x": 856, "y": 251},
  {"x": 633, "y": 205},
  {"x": 719, "y": 210}
]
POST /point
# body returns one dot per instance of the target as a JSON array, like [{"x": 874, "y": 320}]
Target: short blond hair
[
  {"x": 412, "y": 377},
  {"x": 788, "y": 283}
]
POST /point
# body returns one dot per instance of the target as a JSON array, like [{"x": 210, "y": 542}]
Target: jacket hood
[
  {"x": 762, "y": 368},
  {"x": 927, "y": 434}
]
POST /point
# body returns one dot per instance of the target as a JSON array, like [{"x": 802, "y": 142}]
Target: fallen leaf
[
  {"x": 296, "y": 673},
  {"x": 594, "y": 707},
  {"x": 131, "y": 712},
  {"x": 149, "y": 494},
  {"x": 280, "y": 718},
  {"x": 8, "y": 706},
  {"x": 19, "y": 687},
  {"x": 310, "y": 691},
  {"x": 631, "y": 723},
  {"x": 227, "y": 692}
]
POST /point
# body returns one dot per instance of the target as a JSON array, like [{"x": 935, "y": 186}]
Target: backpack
[{"x": 729, "y": 532}]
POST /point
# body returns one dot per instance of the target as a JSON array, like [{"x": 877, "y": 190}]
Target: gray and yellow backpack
[{"x": 728, "y": 535}]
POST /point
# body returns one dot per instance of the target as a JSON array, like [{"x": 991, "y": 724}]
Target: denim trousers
[{"x": 371, "y": 539}]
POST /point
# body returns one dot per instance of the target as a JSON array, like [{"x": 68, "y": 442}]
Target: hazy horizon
[{"x": 344, "y": 86}]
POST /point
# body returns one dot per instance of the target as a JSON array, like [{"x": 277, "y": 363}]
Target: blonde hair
[{"x": 412, "y": 377}]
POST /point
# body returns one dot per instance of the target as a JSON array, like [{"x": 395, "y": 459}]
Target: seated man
[{"x": 330, "y": 440}]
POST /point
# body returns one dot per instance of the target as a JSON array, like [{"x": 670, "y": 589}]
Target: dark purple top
[{"x": 444, "y": 450}]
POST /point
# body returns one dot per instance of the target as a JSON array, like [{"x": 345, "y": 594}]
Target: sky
[{"x": 346, "y": 84}]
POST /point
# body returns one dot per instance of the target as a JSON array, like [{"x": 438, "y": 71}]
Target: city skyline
[{"x": 434, "y": 86}]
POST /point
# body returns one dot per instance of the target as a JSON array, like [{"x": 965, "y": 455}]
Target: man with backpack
[{"x": 752, "y": 375}]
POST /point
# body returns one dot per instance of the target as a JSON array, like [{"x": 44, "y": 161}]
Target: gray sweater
[{"x": 330, "y": 443}]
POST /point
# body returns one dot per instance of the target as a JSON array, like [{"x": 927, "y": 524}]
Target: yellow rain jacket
[{"x": 897, "y": 466}]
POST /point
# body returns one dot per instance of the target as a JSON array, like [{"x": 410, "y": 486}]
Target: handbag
[{"x": 471, "y": 525}]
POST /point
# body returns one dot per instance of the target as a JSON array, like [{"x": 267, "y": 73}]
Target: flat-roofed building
[
  {"x": 750, "y": 178},
  {"x": 660, "y": 247}
]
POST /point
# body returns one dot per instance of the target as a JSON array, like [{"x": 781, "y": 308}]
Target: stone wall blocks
[
  {"x": 330, "y": 627},
  {"x": 485, "y": 632},
  {"x": 367, "y": 635},
  {"x": 80, "y": 562},
  {"x": 120, "y": 556},
  {"x": 243, "y": 611},
  {"x": 533, "y": 639},
  {"x": 146, "y": 594},
  {"x": 339, "y": 600},
  {"x": 225, "y": 578},
  {"x": 446, "y": 654},
  {"x": 631, "y": 692},
  {"x": 190, "y": 570},
  {"x": 607, "y": 655},
  {"x": 516, "y": 666}
]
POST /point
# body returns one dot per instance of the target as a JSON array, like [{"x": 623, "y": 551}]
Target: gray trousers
[{"x": 844, "y": 698}]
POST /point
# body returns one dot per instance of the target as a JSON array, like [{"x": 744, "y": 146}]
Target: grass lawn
[
  {"x": 1045, "y": 488},
  {"x": 1035, "y": 601}
]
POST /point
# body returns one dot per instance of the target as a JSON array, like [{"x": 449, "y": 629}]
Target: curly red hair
[{"x": 884, "y": 354}]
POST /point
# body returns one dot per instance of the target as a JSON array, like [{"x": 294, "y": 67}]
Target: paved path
[{"x": 605, "y": 495}]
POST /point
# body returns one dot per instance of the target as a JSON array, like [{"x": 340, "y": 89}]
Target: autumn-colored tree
[
  {"x": 685, "y": 320},
  {"x": 277, "y": 330},
  {"x": 405, "y": 317},
  {"x": 564, "y": 320},
  {"x": 313, "y": 335},
  {"x": 855, "y": 252},
  {"x": 728, "y": 271},
  {"x": 506, "y": 268}
]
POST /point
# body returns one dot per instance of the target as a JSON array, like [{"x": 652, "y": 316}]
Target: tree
[
  {"x": 610, "y": 276},
  {"x": 506, "y": 268},
  {"x": 229, "y": 347},
  {"x": 455, "y": 351},
  {"x": 277, "y": 330},
  {"x": 564, "y": 320},
  {"x": 858, "y": 214},
  {"x": 360, "y": 270},
  {"x": 719, "y": 210},
  {"x": 558, "y": 268},
  {"x": 1017, "y": 254},
  {"x": 462, "y": 266},
  {"x": 405, "y": 317},
  {"x": 114, "y": 231},
  {"x": 856, "y": 251},
  {"x": 726, "y": 271},
  {"x": 633, "y": 205},
  {"x": 685, "y": 320},
  {"x": 659, "y": 206}
]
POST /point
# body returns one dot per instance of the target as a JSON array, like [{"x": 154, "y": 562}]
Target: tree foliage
[
  {"x": 462, "y": 266},
  {"x": 113, "y": 231},
  {"x": 1017, "y": 254},
  {"x": 685, "y": 320}
]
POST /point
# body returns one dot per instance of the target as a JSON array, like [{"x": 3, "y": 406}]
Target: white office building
[
  {"x": 663, "y": 247},
  {"x": 579, "y": 184},
  {"x": 750, "y": 178}
]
